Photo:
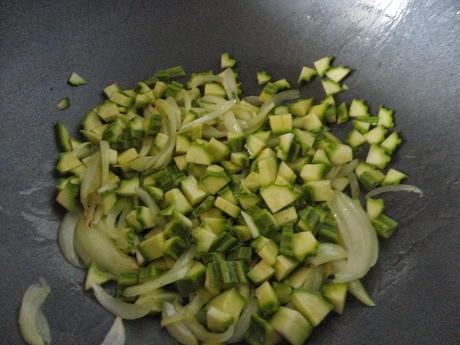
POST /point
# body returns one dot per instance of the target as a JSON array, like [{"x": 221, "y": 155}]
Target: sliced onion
[
  {"x": 396, "y": 188},
  {"x": 212, "y": 132},
  {"x": 104, "y": 148},
  {"x": 147, "y": 200},
  {"x": 357, "y": 289},
  {"x": 204, "y": 79},
  {"x": 178, "y": 330},
  {"x": 204, "y": 335},
  {"x": 177, "y": 272},
  {"x": 84, "y": 150},
  {"x": 147, "y": 143},
  {"x": 251, "y": 225},
  {"x": 66, "y": 234},
  {"x": 200, "y": 299},
  {"x": 90, "y": 183},
  {"x": 313, "y": 278},
  {"x": 332, "y": 174},
  {"x": 116, "y": 335},
  {"x": 222, "y": 109},
  {"x": 358, "y": 236},
  {"x": 107, "y": 187},
  {"x": 211, "y": 99},
  {"x": 32, "y": 322},
  {"x": 93, "y": 246},
  {"x": 171, "y": 111},
  {"x": 328, "y": 252},
  {"x": 231, "y": 124},
  {"x": 121, "y": 309},
  {"x": 244, "y": 321},
  {"x": 229, "y": 83},
  {"x": 354, "y": 185},
  {"x": 285, "y": 96},
  {"x": 348, "y": 168}
]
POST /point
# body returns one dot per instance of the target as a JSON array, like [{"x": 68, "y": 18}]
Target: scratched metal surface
[{"x": 407, "y": 57}]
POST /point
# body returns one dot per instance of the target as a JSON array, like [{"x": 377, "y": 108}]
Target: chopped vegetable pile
[{"x": 237, "y": 218}]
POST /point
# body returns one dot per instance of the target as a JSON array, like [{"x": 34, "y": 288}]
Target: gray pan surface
[{"x": 406, "y": 53}]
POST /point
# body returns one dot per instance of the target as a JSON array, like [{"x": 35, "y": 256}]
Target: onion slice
[
  {"x": 32, "y": 322},
  {"x": 328, "y": 252},
  {"x": 201, "y": 298},
  {"x": 66, "y": 233},
  {"x": 396, "y": 188},
  {"x": 178, "y": 330},
  {"x": 205, "y": 336},
  {"x": 116, "y": 335},
  {"x": 121, "y": 309},
  {"x": 220, "y": 110},
  {"x": 244, "y": 321},
  {"x": 358, "y": 235},
  {"x": 357, "y": 289},
  {"x": 177, "y": 272}
]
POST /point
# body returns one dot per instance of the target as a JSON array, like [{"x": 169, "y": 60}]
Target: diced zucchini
[
  {"x": 336, "y": 294},
  {"x": 127, "y": 156},
  {"x": 304, "y": 244},
  {"x": 358, "y": 108},
  {"x": 226, "y": 61},
  {"x": 376, "y": 135},
  {"x": 339, "y": 153},
  {"x": 178, "y": 201},
  {"x": 269, "y": 90},
  {"x": 153, "y": 247},
  {"x": 338, "y": 73},
  {"x": 268, "y": 252},
  {"x": 286, "y": 216},
  {"x": 374, "y": 207},
  {"x": 377, "y": 157},
  {"x": 194, "y": 193},
  {"x": 284, "y": 147},
  {"x": 304, "y": 138},
  {"x": 342, "y": 113},
  {"x": 312, "y": 172},
  {"x": 128, "y": 187},
  {"x": 254, "y": 145},
  {"x": 391, "y": 143},
  {"x": 361, "y": 126},
  {"x": 67, "y": 196},
  {"x": 277, "y": 197},
  {"x": 67, "y": 162},
  {"x": 63, "y": 103},
  {"x": 217, "y": 320},
  {"x": 266, "y": 299},
  {"x": 268, "y": 169},
  {"x": 263, "y": 77},
  {"x": 227, "y": 207},
  {"x": 320, "y": 190},
  {"x": 283, "y": 267},
  {"x": 330, "y": 87},
  {"x": 260, "y": 273},
  {"x": 229, "y": 301},
  {"x": 311, "y": 305},
  {"x": 181, "y": 162},
  {"x": 214, "y": 89},
  {"x": 286, "y": 242},
  {"x": 369, "y": 176},
  {"x": 217, "y": 149},
  {"x": 282, "y": 84},
  {"x": 213, "y": 181},
  {"x": 291, "y": 325},
  {"x": 260, "y": 332},
  {"x": 301, "y": 107},
  {"x": 198, "y": 154},
  {"x": 306, "y": 74},
  {"x": 320, "y": 157},
  {"x": 286, "y": 173},
  {"x": 355, "y": 138},
  {"x": 323, "y": 64},
  {"x": 75, "y": 79},
  {"x": 386, "y": 117},
  {"x": 393, "y": 176},
  {"x": 384, "y": 225}
]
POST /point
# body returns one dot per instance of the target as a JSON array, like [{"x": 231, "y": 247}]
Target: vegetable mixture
[{"x": 235, "y": 218}]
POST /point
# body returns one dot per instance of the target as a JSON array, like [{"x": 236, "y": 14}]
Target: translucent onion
[
  {"x": 244, "y": 321},
  {"x": 222, "y": 109},
  {"x": 313, "y": 278},
  {"x": 205, "y": 336},
  {"x": 178, "y": 330},
  {"x": 354, "y": 185},
  {"x": 229, "y": 83},
  {"x": 177, "y": 272},
  {"x": 200, "y": 299},
  {"x": 358, "y": 236},
  {"x": 231, "y": 124},
  {"x": 90, "y": 183},
  {"x": 396, "y": 188},
  {"x": 251, "y": 225},
  {"x": 93, "y": 246},
  {"x": 212, "y": 132},
  {"x": 32, "y": 322},
  {"x": 254, "y": 100},
  {"x": 328, "y": 252},
  {"x": 104, "y": 152},
  {"x": 66, "y": 234},
  {"x": 121, "y": 309},
  {"x": 171, "y": 111},
  {"x": 348, "y": 168},
  {"x": 116, "y": 334},
  {"x": 147, "y": 200},
  {"x": 147, "y": 143},
  {"x": 357, "y": 289}
]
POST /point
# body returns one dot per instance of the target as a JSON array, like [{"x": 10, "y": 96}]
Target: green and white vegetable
[{"x": 237, "y": 218}]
